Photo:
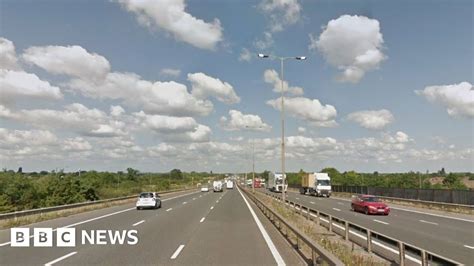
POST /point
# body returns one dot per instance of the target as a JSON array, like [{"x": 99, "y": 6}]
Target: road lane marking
[
  {"x": 61, "y": 258},
  {"x": 469, "y": 247},
  {"x": 336, "y": 209},
  {"x": 194, "y": 198},
  {"x": 297, "y": 198},
  {"x": 312, "y": 202},
  {"x": 169, "y": 209},
  {"x": 423, "y": 221},
  {"x": 212, "y": 207},
  {"x": 217, "y": 201},
  {"x": 176, "y": 253},
  {"x": 340, "y": 203},
  {"x": 202, "y": 219},
  {"x": 137, "y": 223},
  {"x": 382, "y": 222},
  {"x": 184, "y": 202},
  {"x": 268, "y": 240},
  {"x": 200, "y": 195},
  {"x": 104, "y": 216}
]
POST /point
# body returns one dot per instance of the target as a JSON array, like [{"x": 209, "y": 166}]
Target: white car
[
  {"x": 148, "y": 200},
  {"x": 204, "y": 189}
]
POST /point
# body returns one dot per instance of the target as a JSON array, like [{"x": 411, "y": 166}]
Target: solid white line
[
  {"x": 212, "y": 207},
  {"x": 61, "y": 258},
  {"x": 268, "y": 240},
  {"x": 169, "y": 209},
  {"x": 469, "y": 247},
  {"x": 382, "y": 222},
  {"x": 202, "y": 219},
  {"x": 336, "y": 209},
  {"x": 103, "y": 216},
  {"x": 176, "y": 253},
  {"x": 423, "y": 221},
  {"x": 135, "y": 224}
]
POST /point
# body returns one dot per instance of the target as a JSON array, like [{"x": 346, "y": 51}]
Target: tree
[
  {"x": 442, "y": 172},
  {"x": 132, "y": 174},
  {"x": 176, "y": 174}
]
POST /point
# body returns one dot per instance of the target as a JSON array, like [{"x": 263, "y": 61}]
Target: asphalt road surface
[
  {"x": 191, "y": 228},
  {"x": 448, "y": 235}
]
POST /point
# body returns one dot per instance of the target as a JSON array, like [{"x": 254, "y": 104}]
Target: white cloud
[
  {"x": 201, "y": 133},
  {"x": 457, "y": 98},
  {"x": 264, "y": 43},
  {"x": 167, "y": 98},
  {"x": 16, "y": 85},
  {"x": 116, "y": 110},
  {"x": 352, "y": 44},
  {"x": 281, "y": 13},
  {"x": 171, "y": 72},
  {"x": 204, "y": 86},
  {"x": 239, "y": 121},
  {"x": 376, "y": 119},
  {"x": 172, "y": 17},
  {"x": 245, "y": 55},
  {"x": 76, "y": 117},
  {"x": 77, "y": 144},
  {"x": 8, "y": 58},
  {"x": 309, "y": 110},
  {"x": 270, "y": 76},
  {"x": 301, "y": 130},
  {"x": 69, "y": 60},
  {"x": 17, "y": 139}
]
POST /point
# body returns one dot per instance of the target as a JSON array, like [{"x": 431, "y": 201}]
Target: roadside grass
[
  {"x": 344, "y": 250},
  {"x": 35, "y": 218}
]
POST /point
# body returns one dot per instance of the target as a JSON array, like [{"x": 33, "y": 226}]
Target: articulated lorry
[
  {"x": 275, "y": 182},
  {"x": 217, "y": 186},
  {"x": 318, "y": 184}
]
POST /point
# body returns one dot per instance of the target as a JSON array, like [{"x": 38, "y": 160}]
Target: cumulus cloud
[
  {"x": 308, "y": 110},
  {"x": 171, "y": 72},
  {"x": 301, "y": 130},
  {"x": 458, "y": 99},
  {"x": 245, "y": 55},
  {"x": 281, "y": 13},
  {"x": 204, "y": 86},
  {"x": 8, "y": 58},
  {"x": 16, "y": 85},
  {"x": 352, "y": 44},
  {"x": 167, "y": 98},
  {"x": 17, "y": 139},
  {"x": 376, "y": 120},
  {"x": 239, "y": 121},
  {"x": 270, "y": 76},
  {"x": 264, "y": 43},
  {"x": 77, "y": 144},
  {"x": 69, "y": 60},
  {"x": 172, "y": 17},
  {"x": 75, "y": 117},
  {"x": 116, "y": 110}
]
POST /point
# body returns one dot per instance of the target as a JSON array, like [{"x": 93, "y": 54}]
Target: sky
[{"x": 155, "y": 85}]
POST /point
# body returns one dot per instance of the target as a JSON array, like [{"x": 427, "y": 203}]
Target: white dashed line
[
  {"x": 135, "y": 224},
  {"x": 336, "y": 209},
  {"x": 212, "y": 207},
  {"x": 194, "y": 198},
  {"x": 217, "y": 201},
  {"x": 375, "y": 220},
  {"x": 169, "y": 209},
  {"x": 184, "y": 202},
  {"x": 176, "y": 253},
  {"x": 426, "y": 222},
  {"x": 469, "y": 247},
  {"x": 312, "y": 202},
  {"x": 61, "y": 258},
  {"x": 202, "y": 219}
]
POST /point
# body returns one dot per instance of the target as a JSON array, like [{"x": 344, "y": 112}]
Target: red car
[{"x": 369, "y": 205}]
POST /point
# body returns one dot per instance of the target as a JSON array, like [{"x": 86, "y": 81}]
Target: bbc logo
[{"x": 42, "y": 237}]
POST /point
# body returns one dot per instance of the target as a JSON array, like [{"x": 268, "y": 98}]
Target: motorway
[
  {"x": 191, "y": 228},
  {"x": 448, "y": 235}
]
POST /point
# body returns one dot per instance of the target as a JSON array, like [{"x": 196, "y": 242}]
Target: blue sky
[{"x": 409, "y": 106}]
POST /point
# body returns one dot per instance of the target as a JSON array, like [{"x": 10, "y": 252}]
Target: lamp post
[
  {"x": 253, "y": 158},
  {"x": 282, "y": 59}
]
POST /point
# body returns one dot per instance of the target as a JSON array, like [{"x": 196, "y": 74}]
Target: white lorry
[
  {"x": 318, "y": 184},
  {"x": 229, "y": 184},
  {"x": 275, "y": 182},
  {"x": 217, "y": 186}
]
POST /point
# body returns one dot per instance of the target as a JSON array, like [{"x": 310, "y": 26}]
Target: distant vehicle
[
  {"x": 257, "y": 183},
  {"x": 275, "y": 182},
  {"x": 318, "y": 184},
  {"x": 369, "y": 205},
  {"x": 217, "y": 186},
  {"x": 204, "y": 189},
  {"x": 249, "y": 182},
  {"x": 230, "y": 184},
  {"x": 262, "y": 183},
  {"x": 148, "y": 200}
]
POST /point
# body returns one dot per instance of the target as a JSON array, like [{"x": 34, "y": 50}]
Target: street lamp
[
  {"x": 253, "y": 159},
  {"x": 282, "y": 59}
]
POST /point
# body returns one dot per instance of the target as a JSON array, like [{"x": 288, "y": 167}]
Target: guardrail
[
  {"x": 13, "y": 215},
  {"x": 318, "y": 253},
  {"x": 344, "y": 229}
]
